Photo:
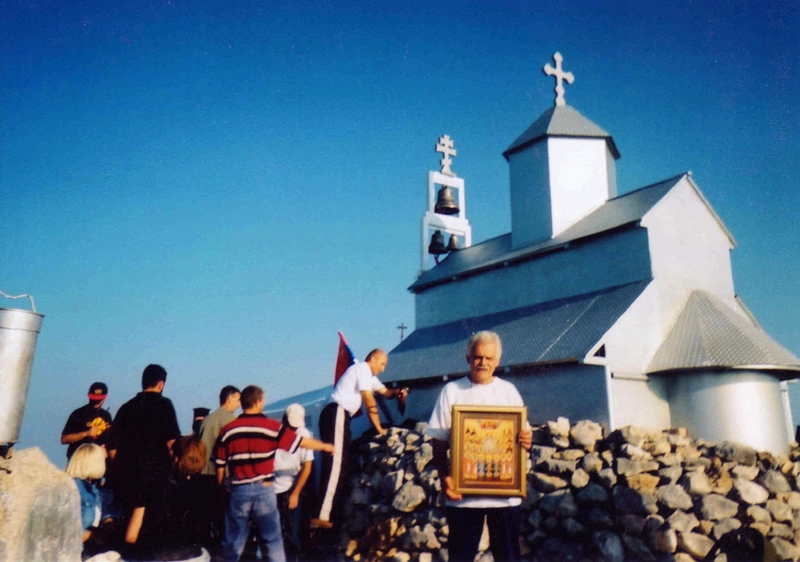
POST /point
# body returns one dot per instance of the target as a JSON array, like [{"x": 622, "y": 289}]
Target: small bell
[
  {"x": 445, "y": 203},
  {"x": 437, "y": 247},
  {"x": 452, "y": 244}
]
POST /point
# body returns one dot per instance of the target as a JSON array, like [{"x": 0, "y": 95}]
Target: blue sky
[{"x": 219, "y": 187}]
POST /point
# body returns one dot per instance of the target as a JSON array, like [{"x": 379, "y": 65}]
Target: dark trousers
[
  {"x": 334, "y": 427},
  {"x": 466, "y": 528}
]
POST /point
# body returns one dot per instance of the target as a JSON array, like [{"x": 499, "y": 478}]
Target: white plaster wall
[
  {"x": 642, "y": 403},
  {"x": 735, "y": 405},
  {"x": 604, "y": 262},
  {"x": 530, "y": 195},
  {"x": 634, "y": 338},
  {"x": 689, "y": 250},
  {"x": 579, "y": 179}
]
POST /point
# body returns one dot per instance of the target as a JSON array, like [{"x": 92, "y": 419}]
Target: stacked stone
[
  {"x": 396, "y": 509},
  {"x": 633, "y": 495},
  {"x": 645, "y": 495}
]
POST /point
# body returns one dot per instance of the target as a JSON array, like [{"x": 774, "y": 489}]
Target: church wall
[
  {"x": 572, "y": 390},
  {"x": 530, "y": 195},
  {"x": 734, "y": 405},
  {"x": 639, "y": 401},
  {"x": 689, "y": 250},
  {"x": 607, "y": 261},
  {"x": 575, "y": 391},
  {"x": 632, "y": 340},
  {"x": 578, "y": 179}
]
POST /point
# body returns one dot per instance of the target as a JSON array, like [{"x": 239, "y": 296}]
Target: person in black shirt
[
  {"x": 139, "y": 444},
  {"x": 88, "y": 424}
]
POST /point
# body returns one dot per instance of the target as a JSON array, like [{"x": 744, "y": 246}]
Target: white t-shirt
[
  {"x": 356, "y": 378},
  {"x": 464, "y": 391},
  {"x": 288, "y": 465}
]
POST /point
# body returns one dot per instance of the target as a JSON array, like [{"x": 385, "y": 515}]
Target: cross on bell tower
[{"x": 561, "y": 76}]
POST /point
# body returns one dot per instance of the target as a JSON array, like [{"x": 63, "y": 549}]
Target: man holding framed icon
[{"x": 476, "y": 414}]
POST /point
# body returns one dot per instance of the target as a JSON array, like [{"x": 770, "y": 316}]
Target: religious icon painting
[{"x": 485, "y": 456}]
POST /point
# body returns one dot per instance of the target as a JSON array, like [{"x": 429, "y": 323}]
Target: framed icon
[{"x": 485, "y": 455}]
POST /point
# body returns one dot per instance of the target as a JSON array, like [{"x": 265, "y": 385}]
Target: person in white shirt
[
  {"x": 467, "y": 514},
  {"x": 358, "y": 385},
  {"x": 292, "y": 471}
]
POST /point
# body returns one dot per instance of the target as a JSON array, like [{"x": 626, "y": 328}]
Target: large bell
[
  {"x": 452, "y": 244},
  {"x": 445, "y": 204},
  {"x": 437, "y": 247}
]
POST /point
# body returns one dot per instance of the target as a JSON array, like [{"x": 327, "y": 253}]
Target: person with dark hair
[
  {"x": 88, "y": 424},
  {"x": 229, "y": 402},
  {"x": 199, "y": 415},
  {"x": 357, "y": 386},
  {"x": 246, "y": 446},
  {"x": 139, "y": 444}
]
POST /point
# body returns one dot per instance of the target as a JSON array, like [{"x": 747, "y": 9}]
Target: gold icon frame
[{"x": 485, "y": 455}]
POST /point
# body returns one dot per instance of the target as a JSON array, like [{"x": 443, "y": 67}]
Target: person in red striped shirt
[{"x": 246, "y": 447}]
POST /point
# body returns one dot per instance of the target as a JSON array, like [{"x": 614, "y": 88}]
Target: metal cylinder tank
[
  {"x": 19, "y": 330},
  {"x": 743, "y": 406}
]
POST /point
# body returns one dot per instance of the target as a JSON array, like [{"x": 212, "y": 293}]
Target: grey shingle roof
[
  {"x": 561, "y": 121},
  {"x": 708, "y": 333},
  {"x": 614, "y": 213},
  {"x": 559, "y": 330}
]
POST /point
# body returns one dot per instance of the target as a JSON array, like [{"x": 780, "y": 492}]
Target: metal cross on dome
[
  {"x": 560, "y": 75},
  {"x": 445, "y": 146}
]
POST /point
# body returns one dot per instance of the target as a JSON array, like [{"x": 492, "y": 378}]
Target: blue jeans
[{"x": 257, "y": 502}]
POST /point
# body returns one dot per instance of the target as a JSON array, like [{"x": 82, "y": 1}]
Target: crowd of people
[
  {"x": 152, "y": 494},
  {"x": 234, "y": 486}
]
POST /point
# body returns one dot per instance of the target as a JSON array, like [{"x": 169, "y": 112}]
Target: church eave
[
  {"x": 612, "y": 147},
  {"x": 782, "y": 372},
  {"x": 532, "y": 252}
]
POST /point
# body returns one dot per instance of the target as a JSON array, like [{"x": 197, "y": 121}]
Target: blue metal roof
[
  {"x": 561, "y": 121},
  {"x": 555, "y": 331},
  {"x": 617, "y": 212}
]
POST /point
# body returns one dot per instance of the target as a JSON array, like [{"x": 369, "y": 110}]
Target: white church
[{"x": 616, "y": 308}]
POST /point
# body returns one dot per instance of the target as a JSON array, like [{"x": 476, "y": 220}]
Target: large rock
[
  {"x": 586, "y": 434},
  {"x": 609, "y": 545},
  {"x": 695, "y": 544},
  {"x": 749, "y": 492},
  {"x": 40, "y": 511},
  {"x": 674, "y": 497},
  {"x": 628, "y": 500},
  {"x": 546, "y": 483},
  {"x": 696, "y": 483},
  {"x": 559, "y": 503},
  {"x": 779, "y": 510},
  {"x": 715, "y": 507},
  {"x": 775, "y": 482},
  {"x": 423, "y": 456},
  {"x": 593, "y": 493},
  {"x": 682, "y": 521},
  {"x": 737, "y": 452},
  {"x": 409, "y": 497},
  {"x": 628, "y": 467},
  {"x": 423, "y": 538},
  {"x": 637, "y": 549}
]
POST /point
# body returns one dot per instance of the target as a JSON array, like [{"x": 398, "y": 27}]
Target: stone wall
[
  {"x": 632, "y": 495},
  {"x": 40, "y": 512}
]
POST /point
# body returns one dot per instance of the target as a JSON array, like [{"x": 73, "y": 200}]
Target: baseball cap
[
  {"x": 296, "y": 415},
  {"x": 98, "y": 391}
]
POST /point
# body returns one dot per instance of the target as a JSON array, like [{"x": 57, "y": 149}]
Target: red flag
[{"x": 344, "y": 359}]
